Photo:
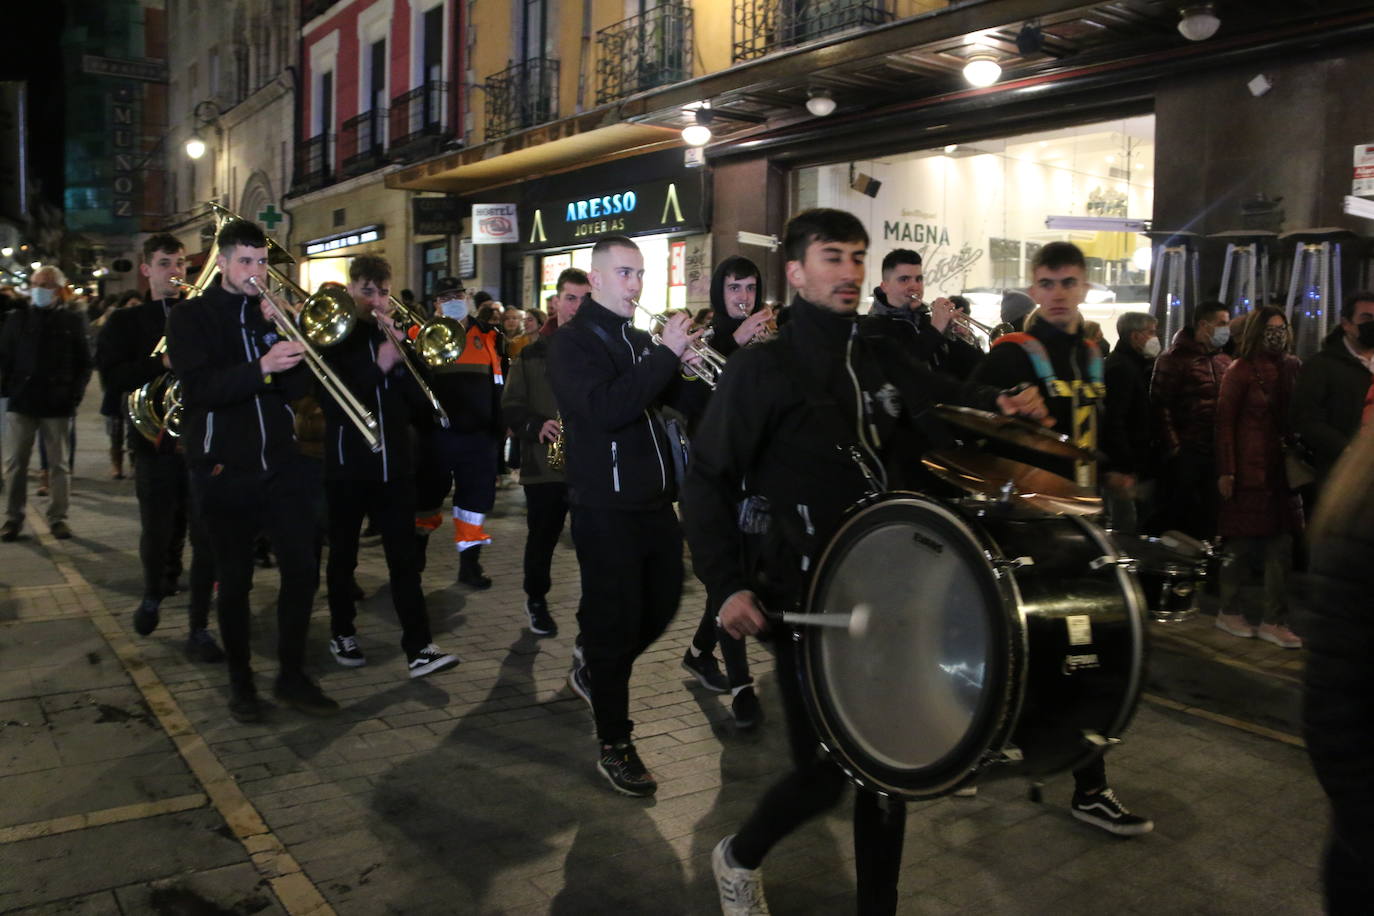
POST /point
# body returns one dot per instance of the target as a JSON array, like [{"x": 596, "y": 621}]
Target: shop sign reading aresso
[{"x": 667, "y": 205}]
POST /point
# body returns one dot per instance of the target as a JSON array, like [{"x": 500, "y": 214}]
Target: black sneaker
[
  {"x": 1102, "y": 810},
  {"x": 470, "y": 573},
  {"x": 201, "y": 647},
  {"x": 541, "y": 621},
  {"x": 431, "y": 659},
  {"x": 623, "y": 769},
  {"x": 243, "y": 703},
  {"x": 304, "y": 695},
  {"x": 580, "y": 682},
  {"x": 746, "y": 709},
  {"x": 9, "y": 532},
  {"x": 346, "y": 651},
  {"x": 146, "y": 617},
  {"x": 706, "y": 670},
  {"x": 61, "y": 531}
]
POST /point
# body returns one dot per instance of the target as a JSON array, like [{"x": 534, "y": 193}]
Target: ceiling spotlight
[
  {"x": 195, "y": 147},
  {"x": 982, "y": 70},
  {"x": 698, "y": 133},
  {"x": 819, "y": 102},
  {"x": 1198, "y": 22},
  {"x": 951, "y": 148}
]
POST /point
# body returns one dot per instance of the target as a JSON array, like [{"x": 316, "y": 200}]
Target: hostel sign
[{"x": 644, "y": 208}]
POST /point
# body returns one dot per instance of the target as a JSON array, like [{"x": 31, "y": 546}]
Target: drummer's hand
[
  {"x": 1121, "y": 483},
  {"x": 1027, "y": 403},
  {"x": 741, "y": 616},
  {"x": 1226, "y": 485}
]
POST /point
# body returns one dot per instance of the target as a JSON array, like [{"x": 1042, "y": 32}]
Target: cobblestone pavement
[{"x": 126, "y": 788}]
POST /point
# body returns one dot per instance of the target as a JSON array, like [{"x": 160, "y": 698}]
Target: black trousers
[
  {"x": 466, "y": 462},
  {"x": 546, "y": 510},
  {"x": 391, "y": 506},
  {"x": 164, "y": 507},
  {"x": 814, "y": 786},
  {"x": 237, "y": 506},
  {"x": 732, "y": 650},
  {"x": 1188, "y": 497},
  {"x": 631, "y": 565}
]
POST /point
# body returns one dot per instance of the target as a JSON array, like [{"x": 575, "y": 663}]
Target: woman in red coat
[{"x": 1260, "y": 513}]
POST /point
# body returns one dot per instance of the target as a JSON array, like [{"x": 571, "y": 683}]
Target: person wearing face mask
[
  {"x": 1260, "y": 512},
  {"x": 1330, "y": 395},
  {"x": 1126, "y": 417},
  {"x": 45, "y": 364},
  {"x": 1183, "y": 397}
]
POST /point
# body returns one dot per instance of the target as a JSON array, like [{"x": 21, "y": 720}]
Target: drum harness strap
[{"x": 1077, "y": 391}]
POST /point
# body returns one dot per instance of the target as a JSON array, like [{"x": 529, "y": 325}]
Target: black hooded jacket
[
  {"x": 233, "y": 416},
  {"x": 784, "y": 436},
  {"x": 723, "y": 324},
  {"x": 122, "y": 353},
  {"x": 916, "y": 332}
]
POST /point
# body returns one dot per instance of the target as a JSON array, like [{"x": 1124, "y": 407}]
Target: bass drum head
[{"x": 911, "y": 705}]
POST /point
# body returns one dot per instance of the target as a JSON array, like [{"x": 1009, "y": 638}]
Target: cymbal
[
  {"x": 1012, "y": 481},
  {"x": 1014, "y": 431}
]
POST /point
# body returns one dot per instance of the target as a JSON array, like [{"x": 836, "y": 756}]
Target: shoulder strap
[{"x": 1035, "y": 351}]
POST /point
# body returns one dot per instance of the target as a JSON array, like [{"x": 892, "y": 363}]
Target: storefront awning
[{"x": 533, "y": 153}]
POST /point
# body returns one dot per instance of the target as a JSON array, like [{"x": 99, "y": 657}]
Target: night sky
[{"x": 31, "y": 54}]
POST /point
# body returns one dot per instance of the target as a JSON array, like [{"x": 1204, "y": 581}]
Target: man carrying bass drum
[{"x": 801, "y": 428}]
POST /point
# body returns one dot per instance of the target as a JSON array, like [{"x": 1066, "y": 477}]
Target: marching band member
[
  {"x": 378, "y": 485},
  {"x": 898, "y": 310},
  {"x": 1068, "y": 371},
  {"x": 608, "y": 377},
  {"x": 161, "y": 483},
  {"x": 238, "y": 379},
  {"x": 798, "y": 430}
]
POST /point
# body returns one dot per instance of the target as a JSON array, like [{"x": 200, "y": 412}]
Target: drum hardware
[
  {"x": 1008, "y": 754},
  {"x": 1125, "y": 563},
  {"x": 1005, "y": 566},
  {"x": 874, "y": 485}
]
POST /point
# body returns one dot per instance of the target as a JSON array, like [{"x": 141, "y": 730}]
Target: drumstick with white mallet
[{"x": 856, "y": 621}]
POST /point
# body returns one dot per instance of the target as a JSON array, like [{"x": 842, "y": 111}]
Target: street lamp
[
  {"x": 195, "y": 147},
  {"x": 206, "y": 114}
]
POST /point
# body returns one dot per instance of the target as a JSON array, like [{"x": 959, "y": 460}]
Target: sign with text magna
[{"x": 494, "y": 224}]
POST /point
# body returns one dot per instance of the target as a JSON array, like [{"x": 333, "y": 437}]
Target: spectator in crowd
[
  {"x": 1016, "y": 307},
  {"x": 44, "y": 367},
  {"x": 1260, "y": 513},
  {"x": 1183, "y": 396},
  {"x": 534, "y": 320},
  {"x": 960, "y": 330},
  {"x": 1332, "y": 385},
  {"x": 1126, "y": 418},
  {"x": 512, "y": 322},
  {"x": 1092, "y": 333}
]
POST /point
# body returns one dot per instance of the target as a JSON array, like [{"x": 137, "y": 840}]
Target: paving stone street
[{"x": 125, "y": 787}]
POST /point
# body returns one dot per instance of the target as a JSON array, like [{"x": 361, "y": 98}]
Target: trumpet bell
[
  {"x": 440, "y": 341},
  {"x": 327, "y": 317}
]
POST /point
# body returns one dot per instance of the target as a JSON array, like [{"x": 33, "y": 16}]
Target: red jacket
[
  {"x": 1183, "y": 394},
  {"x": 1252, "y": 423}
]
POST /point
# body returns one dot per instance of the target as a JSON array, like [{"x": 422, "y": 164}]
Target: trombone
[
  {"x": 711, "y": 364},
  {"x": 454, "y": 347},
  {"x": 438, "y": 340}
]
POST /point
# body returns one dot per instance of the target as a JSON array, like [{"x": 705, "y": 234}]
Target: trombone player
[
  {"x": 238, "y": 378},
  {"x": 381, "y": 485},
  {"x": 123, "y": 356}
]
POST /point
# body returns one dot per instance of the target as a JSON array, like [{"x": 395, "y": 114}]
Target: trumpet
[
  {"x": 710, "y": 365},
  {"x": 325, "y": 318}
]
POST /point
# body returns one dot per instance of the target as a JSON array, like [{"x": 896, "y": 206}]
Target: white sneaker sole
[
  {"x": 347, "y": 662},
  {"x": 438, "y": 664},
  {"x": 701, "y": 679},
  {"x": 1110, "y": 827}
]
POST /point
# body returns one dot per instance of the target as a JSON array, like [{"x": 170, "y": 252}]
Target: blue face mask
[
  {"x": 42, "y": 297},
  {"x": 454, "y": 308},
  {"x": 1221, "y": 335}
]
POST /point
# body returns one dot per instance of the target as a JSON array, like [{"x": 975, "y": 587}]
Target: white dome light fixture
[
  {"x": 819, "y": 102},
  {"x": 195, "y": 147},
  {"x": 698, "y": 133},
  {"x": 1198, "y": 22},
  {"x": 982, "y": 71}
]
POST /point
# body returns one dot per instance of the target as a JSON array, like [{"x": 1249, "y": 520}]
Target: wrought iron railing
[
  {"x": 522, "y": 95},
  {"x": 418, "y": 114},
  {"x": 314, "y": 163},
  {"x": 644, "y": 51},
  {"x": 764, "y": 26},
  {"x": 362, "y": 142}
]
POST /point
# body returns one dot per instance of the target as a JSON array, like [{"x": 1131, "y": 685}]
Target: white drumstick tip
[{"x": 858, "y": 619}]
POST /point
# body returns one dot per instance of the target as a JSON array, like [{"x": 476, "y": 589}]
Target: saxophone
[{"x": 558, "y": 452}]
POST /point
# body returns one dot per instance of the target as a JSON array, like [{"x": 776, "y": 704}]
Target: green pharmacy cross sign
[{"x": 270, "y": 217}]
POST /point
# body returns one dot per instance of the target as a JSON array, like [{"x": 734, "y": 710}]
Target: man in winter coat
[
  {"x": 1126, "y": 416},
  {"x": 1334, "y": 383},
  {"x": 898, "y": 310}
]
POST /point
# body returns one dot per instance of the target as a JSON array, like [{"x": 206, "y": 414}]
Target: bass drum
[{"x": 992, "y": 637}]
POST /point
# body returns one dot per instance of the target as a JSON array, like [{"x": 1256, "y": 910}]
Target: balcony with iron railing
[
  {"x": 314, "y": 163},
  {"x": 764, "y": 26},
  {"x": 645, "y": 51},
  {"x": 521, "y": 96},
  {"x": 362, "y": 143},
  {"x": 417, "y": 121}
]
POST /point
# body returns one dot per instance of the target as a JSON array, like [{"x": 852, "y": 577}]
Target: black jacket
[
  {"x": 470, "y": 388},
  {"x": 232, "y": 415},
  {"x": 608, "y": 378},
  {"x": 44, "y": 361},
  {"x": 914, "y": 329},
  {"x": 1126, "y": 418},
  {"x": 783, "y": 431},
  {"x": 723, "y": 324},
  {"x": 1328, "y": 400},
  {"x": 122, "y": 353},
  {"x": 526, "y": 405},
  {"x": 393, "y": 398}
]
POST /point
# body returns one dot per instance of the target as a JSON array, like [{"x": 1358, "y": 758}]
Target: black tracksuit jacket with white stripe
[{"x": 232, "y": 415}]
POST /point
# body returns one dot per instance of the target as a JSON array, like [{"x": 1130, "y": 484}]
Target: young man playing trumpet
[
  {"x": 380, "y": 485},
  {"x": 124, "y": 358},
  {"x": 238, "y": 378}
]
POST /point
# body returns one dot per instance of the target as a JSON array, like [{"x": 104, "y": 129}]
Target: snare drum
[
  {"x": 992, "y": 638},
  {"x": 1170, "y": 578}
]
